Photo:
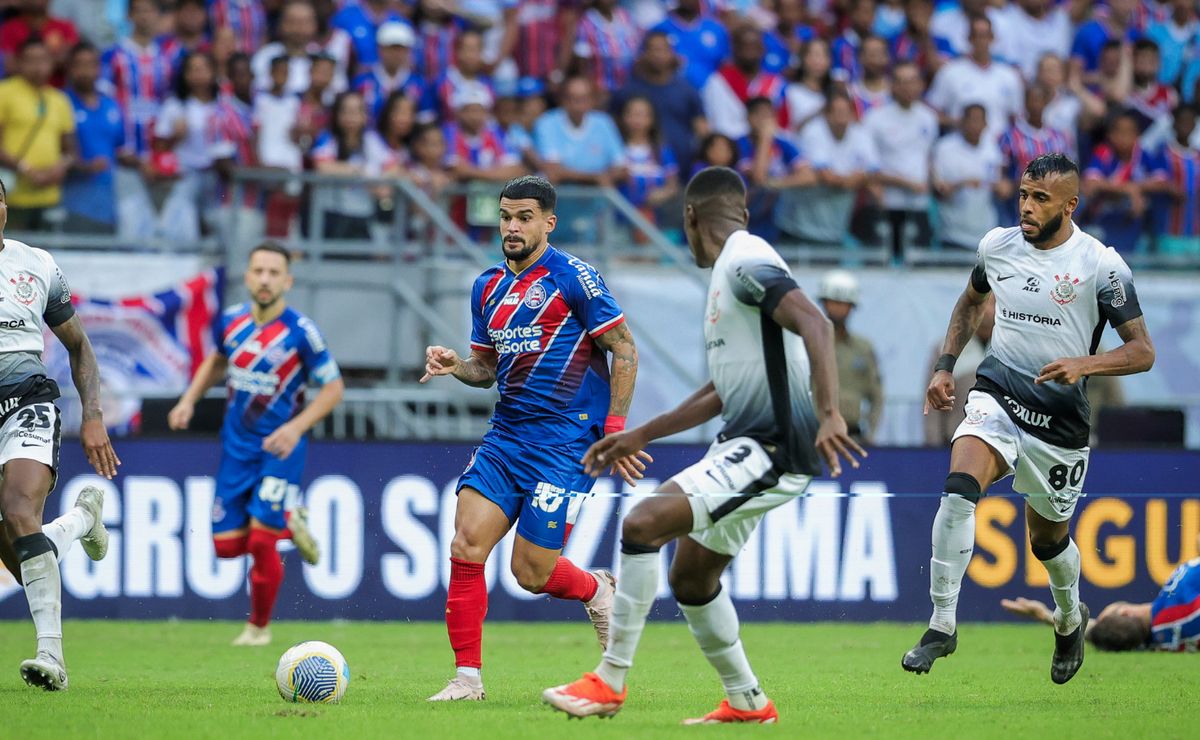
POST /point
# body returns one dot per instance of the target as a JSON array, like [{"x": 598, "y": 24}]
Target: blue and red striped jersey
[
  {"x": 1175, "y": 614},
  {"x": 543, "y": 324},
  {"x": 1183, "y": 171},
  {"x": 269, "y": 368},
  {"x": 140, "y": 79}
]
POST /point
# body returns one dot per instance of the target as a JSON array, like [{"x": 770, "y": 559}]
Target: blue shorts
[
  {"x": 532, "y": 485},
  {"x": 258, "y": 485}
]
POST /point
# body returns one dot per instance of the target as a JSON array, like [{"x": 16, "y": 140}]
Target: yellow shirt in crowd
[{"x": 21, "y": 107}]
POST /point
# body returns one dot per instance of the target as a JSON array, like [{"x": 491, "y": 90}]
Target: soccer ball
[{"x": 312, "y": 672}]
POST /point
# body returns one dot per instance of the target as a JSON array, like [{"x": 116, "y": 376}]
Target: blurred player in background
[
  {"x": 36, "y": 297},
  {"x": 761, "y": 334},
  {"x": 270, "y": 353},
  {"x": 1056, "y": 287},
  {"x": 542, "y": 322}
]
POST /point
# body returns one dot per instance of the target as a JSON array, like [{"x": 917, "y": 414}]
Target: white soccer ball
[{"x": 313, "y": 672}]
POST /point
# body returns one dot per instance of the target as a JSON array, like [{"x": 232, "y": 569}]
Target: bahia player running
[
  {"x": 1027, "y": 416},
  {"x": 34, "y": 296},
  {"x": 269, "y": 353},
  {"x": 761, "y": 333},
  {"x": 542, "y": 323}
]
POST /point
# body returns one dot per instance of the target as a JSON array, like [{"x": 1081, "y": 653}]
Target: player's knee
[
  {"x": 965, "y": 485},
  {"x": 530, "y": 574},
  {"x": 639, "y": 529},
  {"x": 230, "y": 547},
  {"x": 692, "y": 589},
  {"x": 22, "y": 517},
  {"x": 466, "y": 545},
  {"x": 1047, "y": 545}
]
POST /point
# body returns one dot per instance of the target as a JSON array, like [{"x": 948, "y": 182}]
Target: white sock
[
  {"x": 715, "y": 627},
  {"x": 1064, "y": 586},
  {"x": 953, "y": 542},
  {"x": 43, "y": 590},
  {"x": 637, "y": 584},
  {"x": 473, "y": 674},
  {"x": 69, "y": 527}
]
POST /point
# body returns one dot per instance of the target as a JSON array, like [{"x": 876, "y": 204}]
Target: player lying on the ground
[
  {"x": 1169, "y": 623},
  {"x": 37, "y": 296},
  {"x": 271, "y": 352},
  {"x": 761, "y": 333},
  {"x": 542, "y": 324},
  {"x": 1027, "y": 416}
]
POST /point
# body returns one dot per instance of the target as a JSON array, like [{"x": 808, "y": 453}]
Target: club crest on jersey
[
  {"x": 535, "y": 296},
  {"x": 23, "y": 289},
  {"x": 1064, "y": 289},
  {"x": 714, "y": 309},
  {"x": 975, "y": 417}
]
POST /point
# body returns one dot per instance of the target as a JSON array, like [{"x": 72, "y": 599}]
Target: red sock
[
  {"x": 466, "y": 606},
  {"x": 266, "y": 574},
  {"x": 230, "y": 547},
  {"x": 569, "y": 581}
]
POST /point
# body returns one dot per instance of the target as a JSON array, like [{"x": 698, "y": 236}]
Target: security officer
[{"x": 858, "y": 372}]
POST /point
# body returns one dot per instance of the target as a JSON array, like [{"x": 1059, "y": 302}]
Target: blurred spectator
[
  {"x": 188, "y": 142},
  {"x": 1111, "y": 23},
  {"x": 860, "y": 391},
  {"x": 33, "y": 19},
  {"x": 247, "y": 19},
  {"x": 872, "y": 88},
  {"x": 791, "y": 32},
  {"x": 952, "y": 22},
  {"x": 978, "y": 78},
  {"x": 903, "y": 132},
  {"x": 940, "y": 427},
  {"x": 37, "y": 137},
  {"x": 1072, "y": 106},
  {"x": 361, "y": 19},
  {"x": 807, "y": 94},
  {"x": 334, "y": 42},
  {"x": 677, "y": 109},
  {"x": 139, "y": 70},
  {"x": 860, "y": 18},
  {"x": 576, "y": 143},
  {"x": 100, "y": 26},
  {"x": 843, "y": 158},
  {"x": 1150, "y": 100},
  {"x": 191, "y": 26},
  {"x": 916, "y": 43},
  {"x": 606, "y": 44},
  {"x": 437, "y": 36},
  {"x": 1182, "y": 229},
  {"x": 1103, "y": 392},
  {"x": 466, "y": 72},
  {"x": 966, "y": 178},
  {"x": 88, "y": 193},
  {"x": 475, "y": 144},
  {"x": 275, "y": 114},
  {"x": 731, "y": 87},
  {"x": 653, "y": 172},
  {"x": 397, "y": 121},
  {"x": 394, "y": 70},
  {"x": 1175, "y": 37},
  {"x": 1027, "y": 30},
  {"x": 1117, "y": 182},
  {"x": 224, "y": 46},
  {"x": 234, "y": 125},
  {"x": 889, "y": 19},
  {"x": 350, "y": 148},
  {"x": 312, "y": 116},
  {"x": 538, "y": 34},
  {"x": 770, "y": 163},
  {"x": 297, "y": 35},
  {"x": 1029, "y": 137},
  {"x": 716, "y": 150},
  {"x": 530, "y": 105},
  {"x": 701, "y": 42},
  {"x": 428, "y": 160}
]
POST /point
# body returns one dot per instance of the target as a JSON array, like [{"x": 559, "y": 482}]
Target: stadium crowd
[{"x": 893, "y": 122}]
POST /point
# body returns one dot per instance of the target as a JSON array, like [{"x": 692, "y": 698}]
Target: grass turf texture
[{"x": 183, "y": 679}]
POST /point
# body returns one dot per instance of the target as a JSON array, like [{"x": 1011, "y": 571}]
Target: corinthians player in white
[
  {"x": 34, "y": 294},
  {"x": 1027, "y": 416},
  {"x": 762, "y": 336}
]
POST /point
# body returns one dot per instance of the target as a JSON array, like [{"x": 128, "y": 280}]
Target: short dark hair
[
  {"x": 1054, "y": 163},
  {"x": 973, "y": 106},
  {"x": 32, "y": 40},
  {"x": 532, "y": 186},
  {"x": 713, "y": 182},
  {"x": 282, "y": 59},
  {"x": 83, "y": 47},
  {"x": 1117, "y": 633},
  {"x": 1145, "y": 45},
  {"x": 761, "y": 101},
  {"x": 273, "y": 248}
]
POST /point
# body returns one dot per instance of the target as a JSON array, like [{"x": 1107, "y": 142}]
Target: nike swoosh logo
[
  {"x": 1002, "y": 279},
  {"x": 31, "y": 444}
]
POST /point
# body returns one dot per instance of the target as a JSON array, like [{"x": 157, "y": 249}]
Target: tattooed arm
[
  {"x": 86, "y": 374},
  {"x": 964, "y": 320},
  {"x": 477, "y": 371},
  {"x": 623, "y": 371}
]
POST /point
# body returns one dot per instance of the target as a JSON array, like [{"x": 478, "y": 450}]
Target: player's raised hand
[
  {"x": 939, "y": 396},
  {"x": 834, "y": 442},
  {"x": 631, "y": 468},
  {"x": 98, "y": 448},
  {"x": 439, "y": 361},
  {"x": 613, "y": 449},
  {"x": 180, "y": 416},
  {"x": 1066, "y": 371}
]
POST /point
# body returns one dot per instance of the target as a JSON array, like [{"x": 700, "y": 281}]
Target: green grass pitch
[{"x": 183, "y": 679}]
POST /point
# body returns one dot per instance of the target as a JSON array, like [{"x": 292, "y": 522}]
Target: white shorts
[
  {"x": 1050, "y": 477},
  {"x": 32, "y": 433},
  {"x": 731, "y": 489}
]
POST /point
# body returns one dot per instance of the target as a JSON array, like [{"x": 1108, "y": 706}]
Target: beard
[
  {"x": 517, "y": 251},
  {"x": 268, "y": 301},
  {"x": 1047, "y": 230}
]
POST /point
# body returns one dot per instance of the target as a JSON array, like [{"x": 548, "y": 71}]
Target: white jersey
[
  {"x": 760, "y": 370},
  {"x": 1050, "y": 304},
  {"x": 33, "y": 295}
]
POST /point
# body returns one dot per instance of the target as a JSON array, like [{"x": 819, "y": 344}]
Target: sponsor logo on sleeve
[{"x": 1118, "y": 289}]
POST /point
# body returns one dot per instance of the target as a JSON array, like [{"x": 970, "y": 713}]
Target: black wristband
[{"x": 945, "y": 362}]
